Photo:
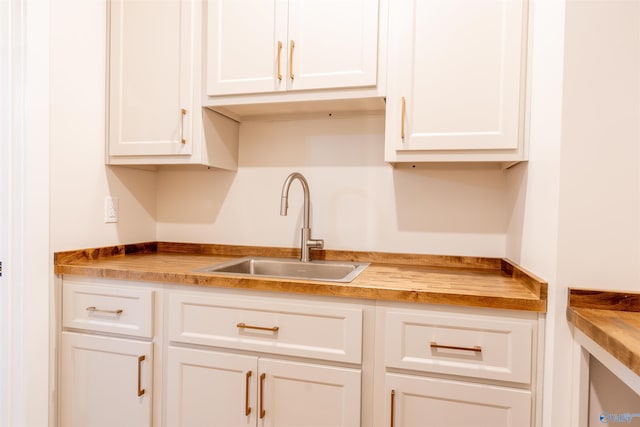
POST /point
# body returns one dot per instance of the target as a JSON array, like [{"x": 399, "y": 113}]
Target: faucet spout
[{"x": 306, "y": 242}]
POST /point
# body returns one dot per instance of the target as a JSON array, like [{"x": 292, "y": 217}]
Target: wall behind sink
[{"x": 358, "y": 201}]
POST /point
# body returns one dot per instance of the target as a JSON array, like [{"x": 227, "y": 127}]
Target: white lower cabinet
[
  {"x": 106, "y": 381},
  {"x": 456, "y": 367},
  {"x": 421, "y": 401},
  {"x": 225, "y": 389},
  {"x": 262, "y": 360},
  {"x": 208, "y": 388},
  {"x": 106, "y": 354},
  {"x": 226, "y": 358},
  {"x": 305, "y": 394}
]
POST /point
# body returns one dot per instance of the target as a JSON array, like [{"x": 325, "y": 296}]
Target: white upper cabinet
[
  {"x": 332, "y": 44},
  {"x": 151, "y": 77},
  {"x": 154, "y": 109},
  {"x": 245, "y": 41},
  {"x": 456, "y": 80},
  {"x": 271, "y": 47}
]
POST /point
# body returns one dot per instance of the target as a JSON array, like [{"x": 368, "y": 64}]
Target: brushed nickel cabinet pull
[
  {"x": 261, "y": 393},
  {"x": 279, "y": 57},
  {"x": 99, "y": 310},
  {"x": 183, "y": 113},
  {"x": 247, "y": 408},
  {"x": 475, "y": 348},
  {"x": 393, "y": 408},
  {"x": 402, "y": 114},
  {"x": 260, "y": 328},
  {"x": 292, "y": 44},
  {"x": 140, "y": 390}
]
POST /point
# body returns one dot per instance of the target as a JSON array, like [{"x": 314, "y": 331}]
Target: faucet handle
[{"x": 315, "y": 243}]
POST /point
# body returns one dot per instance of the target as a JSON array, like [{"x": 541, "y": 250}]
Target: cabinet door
[
  {"x": 299, "y": 394},
  {"x": 151, "y": 54},
  {"x": 105, "y": 381},
  {"x": 456, "y": 74},
  {"x": 332, "y": 43},
  {"x": 419, "y": 401},
  {"x": 246, "y": 46},
  {"x": 206, "y": 388}
]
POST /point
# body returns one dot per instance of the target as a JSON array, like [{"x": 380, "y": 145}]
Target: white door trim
[
  {"x": 24, "y": 213},
  {"x": 5, "y": 118}
]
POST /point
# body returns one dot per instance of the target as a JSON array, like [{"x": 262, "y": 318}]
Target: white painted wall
[
  {"x": 79, "y": 179},
  {"x": 358, "y": 201},
  {"x": 576, "y": 205},
  {"x": 534, "y": 194},
  {"x": 600, "y": 175},
  {"x": 6, "y": 99},
  {"x": 599, "y": 233},
  {"x": 608, "y": 395}
]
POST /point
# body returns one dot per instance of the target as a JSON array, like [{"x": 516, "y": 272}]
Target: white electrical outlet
[{"x": 110, "y": 209}]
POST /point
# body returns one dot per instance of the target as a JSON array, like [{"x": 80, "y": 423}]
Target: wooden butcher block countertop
[
  {"x": 454, "y": 280},
  {"x": 611, "y": 319}
]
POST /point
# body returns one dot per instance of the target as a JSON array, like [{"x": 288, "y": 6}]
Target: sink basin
[{"x": 331, "y": 271}]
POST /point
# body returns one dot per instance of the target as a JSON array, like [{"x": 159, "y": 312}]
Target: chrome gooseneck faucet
[{"x": 306, "y": 242}]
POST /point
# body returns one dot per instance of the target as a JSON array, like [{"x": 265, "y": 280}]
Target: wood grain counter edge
[
  {"x": 610, "y": 319},
  {"x": 74, "y": 262}
]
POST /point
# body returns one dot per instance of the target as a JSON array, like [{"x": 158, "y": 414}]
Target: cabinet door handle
[
  {"x": 183, "y": 113},
  {"x": 292, "y": 44},
  {"x": 393, "y": 408},
  {"x": 260, "y": 328},
  {"x": 140, "y": 390},
  {"x": 402, "y": 114},
  {"x": 279, "y": 57},
  {"x": 261, "y": 394},
  {"x": 475, "y": 348},
  {"x": 99, "y": 310},
  {"x": 247, "y": 408}
]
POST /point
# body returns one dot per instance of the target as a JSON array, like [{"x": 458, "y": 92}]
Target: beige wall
[
  {"x": 599, "y": 234},
  {"x": 600, "y": 179},
  {"x": 576, "y": 204},
  {"x": 358, "y": 201},
  {"x": 79, "y": 179},
  {"x": 533, "y": 188},
  {"x": 609, "y": 398}
]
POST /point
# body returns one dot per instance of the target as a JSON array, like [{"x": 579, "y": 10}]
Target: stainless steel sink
[{"x": 331, "y": 271}]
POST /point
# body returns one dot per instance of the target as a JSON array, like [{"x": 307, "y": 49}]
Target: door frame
[
  {"x": 25, "y": 303},
  {"x": 5, "y": 53}
]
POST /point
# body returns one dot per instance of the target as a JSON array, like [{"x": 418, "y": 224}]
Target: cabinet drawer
[
  {"x": 305, "y": 329},
  {"x": 491, "y": 347},
  {"x": 107, "y": 309}
]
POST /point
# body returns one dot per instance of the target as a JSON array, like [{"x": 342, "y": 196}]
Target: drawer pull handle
[
  {"x": 475, "y": 348},
  {"x": 99, "y": 310},
  {"x": 140, "y": 390},
  {"x": 183, "y": 113},
  {"x": 260, "y": 328},
  {"x": 402, "y": 114},
  {"x": 247, "y": 408},
  {"x": 393, "y": 408},
  {"x": 279, "y": 57},
  {"x": 292, "y": 44},
  {"x": 262, "y": 411}
]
